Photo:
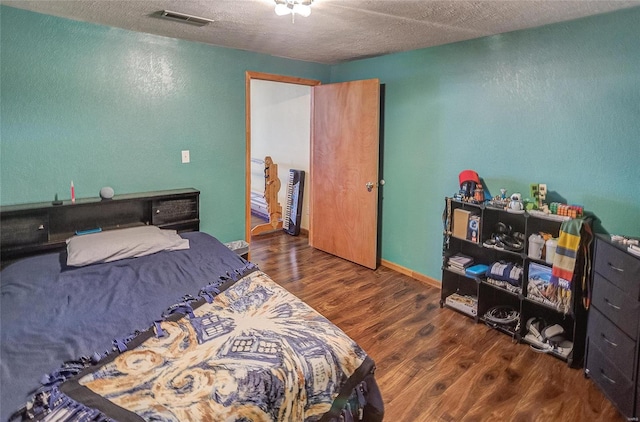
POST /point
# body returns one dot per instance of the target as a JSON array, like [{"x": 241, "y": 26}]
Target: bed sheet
[{"x": 51, "y": 313}]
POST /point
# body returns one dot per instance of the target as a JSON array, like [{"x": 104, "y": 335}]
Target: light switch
[{"x": 185, "y": 156}]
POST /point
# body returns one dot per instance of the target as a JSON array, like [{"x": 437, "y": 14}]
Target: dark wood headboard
[{"x": 29, "y": 229}]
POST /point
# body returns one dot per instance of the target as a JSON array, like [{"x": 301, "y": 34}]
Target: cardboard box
[
  {"x": 466, "y": 225},
  {"x": 460, "y": 223}
]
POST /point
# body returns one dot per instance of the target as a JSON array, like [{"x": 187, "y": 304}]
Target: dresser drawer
[
  {"x": 618, "y": 347},
  {"x": 618, "y": 267},
  {"x": 618, "y": 307},
  {"x": 617, "y": 388},
  {"x": 174, "y": 210},
  {"x": 24, "y": 230}
]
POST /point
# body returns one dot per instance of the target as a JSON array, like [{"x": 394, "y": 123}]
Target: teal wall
[
  {"x": 106, "y": 107},
  {"x": 102, "y": 106},
  {"x": 558, "y": 104}
]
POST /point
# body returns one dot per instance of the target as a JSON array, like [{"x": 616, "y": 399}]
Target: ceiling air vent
[{"x": 182, "y": 17}]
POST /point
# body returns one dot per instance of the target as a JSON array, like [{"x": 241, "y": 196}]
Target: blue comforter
[{"x": 51, "y": 313}]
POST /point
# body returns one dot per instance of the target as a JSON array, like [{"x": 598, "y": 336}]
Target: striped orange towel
[{"x": 564, "y": 261}]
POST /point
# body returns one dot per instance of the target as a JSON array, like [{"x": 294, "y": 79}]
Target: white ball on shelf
[{"x": 106, "y": 192}]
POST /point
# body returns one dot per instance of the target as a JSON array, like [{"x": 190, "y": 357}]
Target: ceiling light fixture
[{"x": 293, "y": 7}]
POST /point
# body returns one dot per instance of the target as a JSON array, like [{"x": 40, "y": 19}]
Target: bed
[{"x": 193, "y": 333}]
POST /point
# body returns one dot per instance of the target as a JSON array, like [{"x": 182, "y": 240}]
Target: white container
[
  {"x": 536, "y": 243},
  {"x": 551, "y": 250}
]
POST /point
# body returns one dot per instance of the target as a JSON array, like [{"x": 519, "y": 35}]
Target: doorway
[{"x": 275, "y": 118}]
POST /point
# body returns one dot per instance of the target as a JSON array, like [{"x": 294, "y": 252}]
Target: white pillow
[{"x": 113, "y": 245}]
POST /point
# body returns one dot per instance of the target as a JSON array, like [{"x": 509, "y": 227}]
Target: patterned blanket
[{"x": 253, "y": 352}]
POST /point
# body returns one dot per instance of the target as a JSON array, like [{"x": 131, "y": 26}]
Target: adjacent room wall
[
  {"x": 107, "y": 107},
  {"x": 558, "y": 105},
  {"x": 281, "y": 129}
]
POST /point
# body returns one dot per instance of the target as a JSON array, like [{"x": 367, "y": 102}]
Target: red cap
[{"x": 468, "y": 176}]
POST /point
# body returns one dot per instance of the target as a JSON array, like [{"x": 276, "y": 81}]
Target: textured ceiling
[{"x": 337, "y": 30}]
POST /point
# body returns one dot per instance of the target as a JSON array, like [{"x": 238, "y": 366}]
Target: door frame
[{"x": 249, "y": 75}]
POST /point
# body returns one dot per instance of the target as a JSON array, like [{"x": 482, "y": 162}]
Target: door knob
[{"x": 370, "y": 185}]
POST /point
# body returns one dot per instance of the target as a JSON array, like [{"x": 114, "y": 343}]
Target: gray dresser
[{"x": 612, "y": 331}]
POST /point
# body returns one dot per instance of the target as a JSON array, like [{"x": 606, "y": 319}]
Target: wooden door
[{"x": 344, "y": 170}]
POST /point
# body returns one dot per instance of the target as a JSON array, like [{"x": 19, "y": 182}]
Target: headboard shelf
[
  {"x": 159, "y": 194},
  {"x": 28, "y": 229},
  {"x": 60, "y": 238}
]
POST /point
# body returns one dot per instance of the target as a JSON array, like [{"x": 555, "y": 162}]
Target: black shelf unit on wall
[{"x": 476, "y": 294}]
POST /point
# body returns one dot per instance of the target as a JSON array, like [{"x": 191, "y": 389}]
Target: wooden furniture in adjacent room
[
  {"x": 271, "y": 189},
  {"x": 613, "y": 341}
]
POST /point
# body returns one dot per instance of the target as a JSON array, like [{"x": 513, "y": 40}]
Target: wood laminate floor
[{"x": 433, "y": 364}]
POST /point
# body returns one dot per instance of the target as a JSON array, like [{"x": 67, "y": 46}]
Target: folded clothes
[
  {"x": 505, "y": 285},
  {"x": 506, "y": 271}
]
